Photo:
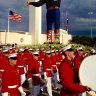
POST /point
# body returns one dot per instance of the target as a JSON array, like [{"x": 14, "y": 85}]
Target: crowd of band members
[{"x": 18, "y": 66}]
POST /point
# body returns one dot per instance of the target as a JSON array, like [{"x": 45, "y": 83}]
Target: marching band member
[
  {"x": 67, "y": 75},
  {"x": 54, "y": 69},
  {"x": 60, "y": 55},
  {"x": 34, "y": 73},
  {"x": 11, "y": 85},
  {"x": 77, "y": 61},
  {"x": 21, "y": 65},
  {"x": 28, "y": 57},
  {"x": 47, "y": 68},
  {"x": 42, "y": 54},
  {"x": 58, "y": 62},
  {"x": 78, "y": 57},
  {"x": 10, "y": 51},
  {"x": 3, "y": 56}
]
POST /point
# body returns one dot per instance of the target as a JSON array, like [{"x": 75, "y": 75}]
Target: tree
[{"x": 84, "y": 40}]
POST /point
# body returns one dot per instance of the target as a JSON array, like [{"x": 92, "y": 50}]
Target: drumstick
[{"x": 93, "y": 90}]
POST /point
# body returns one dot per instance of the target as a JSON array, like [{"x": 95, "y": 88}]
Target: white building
[{"x": 25, "y": 38}]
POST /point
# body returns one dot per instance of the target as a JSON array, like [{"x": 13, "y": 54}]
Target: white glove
[
  {"x": 21, "y": 91},
  {"x": 45, "y": 76},
  {"x": 92, "y": 93},
  {"x": 5, "y": 94},
  {"x": 24, "y": 94}
]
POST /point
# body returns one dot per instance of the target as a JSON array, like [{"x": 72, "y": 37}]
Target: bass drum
[{"x": 87, "y": 73}]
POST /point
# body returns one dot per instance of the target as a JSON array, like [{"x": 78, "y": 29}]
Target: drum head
[{"x": 87, "y": 72}]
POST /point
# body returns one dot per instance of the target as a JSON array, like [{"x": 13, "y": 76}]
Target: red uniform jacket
[
  {"x": 60, "y": 56},
  {"x": 58, "y": 60},
  {"x": 34, "y": 71},
  {"x": 47, "y": 66},
  {"x": 21, "y": 63},
  {"x": 42, "y": 55},
  {"x": 11, "y": 81},
  {"x": 54, "y": 66},
  {"x": 66, "y": 74},
  {"x": 28, "y": 57},
  {"x": 3, "y": 63},
  {"x": 77, "y": 61}
]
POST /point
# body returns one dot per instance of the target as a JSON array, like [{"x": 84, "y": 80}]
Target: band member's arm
[{"x": 36, "y": 4}]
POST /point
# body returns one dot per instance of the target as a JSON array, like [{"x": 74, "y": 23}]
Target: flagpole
[
  {"x": 8, "y": 27},
  {"x": 67, "y": 22}
]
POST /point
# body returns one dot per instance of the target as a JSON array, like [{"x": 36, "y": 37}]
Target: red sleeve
[
  {"x": 30, "y": 68},
  {"x": 77, "y": 62},
  {"x": 4, "y": 82},
  {"x": 29, "y": 75},
  {"x": 66, "y": 78},
  {"x": 44, "y": 65}
]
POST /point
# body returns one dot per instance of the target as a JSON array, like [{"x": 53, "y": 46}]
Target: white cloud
[{"x": 85, "y": 20}]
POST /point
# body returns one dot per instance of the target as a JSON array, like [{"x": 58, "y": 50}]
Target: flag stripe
[{"x": 14, "y": 16}]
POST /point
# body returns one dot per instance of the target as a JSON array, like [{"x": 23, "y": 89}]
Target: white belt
[
  {"x": 57, "y": 62},
  {"x": 48, "y": 69},
  {"x": 54, "y": 65},
  {"x": 14, "y": 86},
  {"x": 20, "y": 66},
  {"x": 1, "y": 70},
  {"x": 36, "y": 74}
]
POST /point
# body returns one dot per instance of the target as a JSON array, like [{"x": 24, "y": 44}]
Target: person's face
[
  {"x": 80, "y": 52},
  {"x": 22, "y": 53},
  {"x": 35, "y": 57},
  {"x": 57, "y": 53},
  {"x": 48, "y": 55},
  {"x": 12, "y": 62},
  {"x": 10, "y": 51},
  {"x": 70, "y": 54},
  {"x": 53, "y": 53},
  {"x": 6, "y": 54}
]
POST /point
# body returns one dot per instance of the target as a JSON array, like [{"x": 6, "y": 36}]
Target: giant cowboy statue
[{"x": 52, "y": 17}]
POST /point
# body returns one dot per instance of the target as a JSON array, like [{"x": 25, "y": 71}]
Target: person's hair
[
  {"x": 13, "y": 58},
  {"x": 64, "y": 53},
  {"x": 36, "y": 54}
]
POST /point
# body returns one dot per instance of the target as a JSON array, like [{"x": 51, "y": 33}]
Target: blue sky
[{"x": 79, "y": 19}]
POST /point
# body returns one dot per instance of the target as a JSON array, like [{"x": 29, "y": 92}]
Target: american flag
[
  {"x": 14, "y": 16},
  {"x": 67, "y": 23}
]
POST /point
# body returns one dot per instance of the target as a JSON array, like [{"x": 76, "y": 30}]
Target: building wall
[
  {"x": 25, "y": 39},
  {"x": 43, "y": 38},
  {"x": 13, "y": 37},
  {"x": 65, "y": 38}
]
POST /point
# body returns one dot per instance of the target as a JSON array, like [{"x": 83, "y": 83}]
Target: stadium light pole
[{"x": 90, "y": 13}]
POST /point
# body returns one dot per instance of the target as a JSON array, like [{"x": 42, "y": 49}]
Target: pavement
[{"x": 54, "y": 91}]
